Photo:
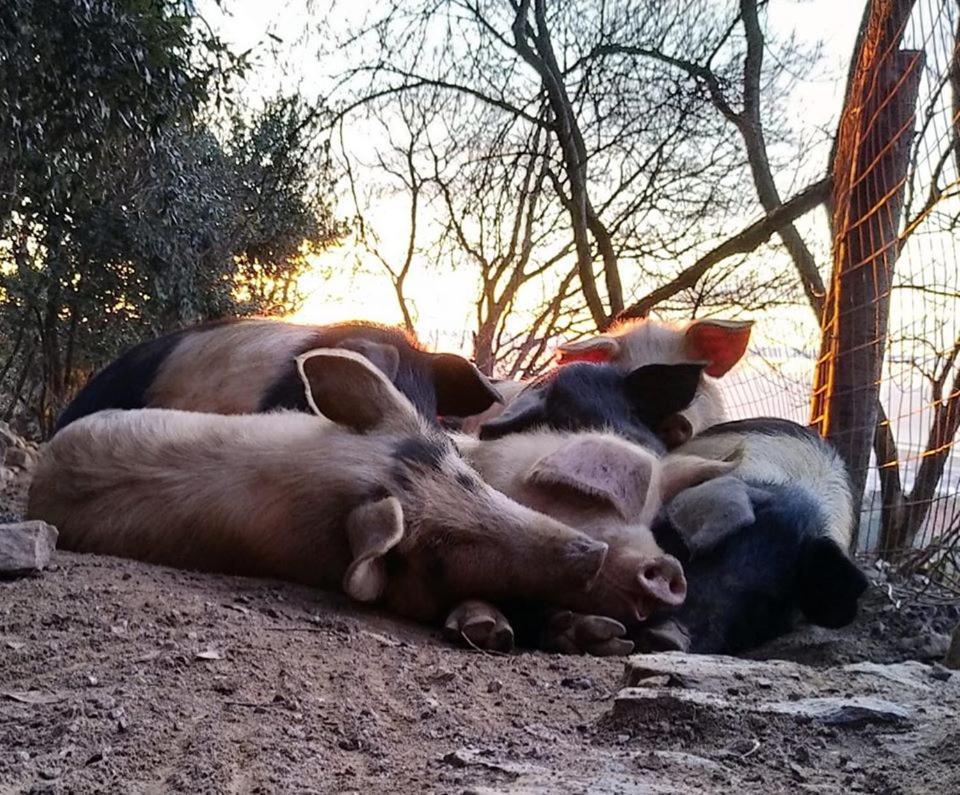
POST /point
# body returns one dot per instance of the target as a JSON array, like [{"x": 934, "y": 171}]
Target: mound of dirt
[{"x": 117, "y": 676}]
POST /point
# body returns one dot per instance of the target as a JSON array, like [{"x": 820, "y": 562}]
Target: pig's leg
[
  {"x": 479, "y": 624},
  {"x": 574, "y": 633}
]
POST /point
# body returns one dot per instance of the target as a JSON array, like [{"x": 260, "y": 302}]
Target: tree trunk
[{"x": 872, "y": 158}]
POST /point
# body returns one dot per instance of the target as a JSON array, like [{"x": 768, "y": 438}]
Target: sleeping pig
[
  {"x": 368, "y": 497},
  {"x": 720, "y": 344},
  {"x": 247, "y": 366},
  {"x": 608, "y": 488},
  {"x": 766, "y": 541}
]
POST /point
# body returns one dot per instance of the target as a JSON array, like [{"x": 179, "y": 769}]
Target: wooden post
[{"x": 871, "y": 163}]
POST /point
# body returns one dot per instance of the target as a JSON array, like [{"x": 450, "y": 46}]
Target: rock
[
  {"x": 847, "y": 712},
  {"x": 7, "y": 437},
  {"x": 908, "y": 674},
  {"x": 18, "y": 458},
  {"x": 713, "y": 672},
  {"x": 473, "y": 757},
  {"x": 577, "y": 682},
  {"x": 952, "y": 657},
  {"x": 691, "y": 761},
  {"x": 930, "y": 646},
  {"x": 653, "y": 704},
  {"x": 26, "y": 547}
]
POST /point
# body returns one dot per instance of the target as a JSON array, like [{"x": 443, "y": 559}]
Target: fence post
[{"x": 871, "y": 160}]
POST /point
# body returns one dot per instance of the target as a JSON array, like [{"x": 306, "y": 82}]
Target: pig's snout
[
  {"x": 586, "y": 557},
  {"x": 662, "y": 579}
]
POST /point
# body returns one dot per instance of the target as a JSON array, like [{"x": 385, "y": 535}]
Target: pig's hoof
[
  {"x": 573, "y": 633},
  {"x": 480, "y": 625},
  {"x": 668, "y": 636}
]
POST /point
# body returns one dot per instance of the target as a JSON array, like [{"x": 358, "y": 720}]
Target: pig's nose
[{"x": 663, "y": 580}]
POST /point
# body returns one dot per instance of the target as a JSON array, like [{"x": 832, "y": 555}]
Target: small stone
[
  {"x": 857, "y": 711},
  {"x": 952, "y": 657},
  {"x": 49, "y": 773},
  {"x": 494, "y": 686},
  {"x": 17, "y": 457},
  {"x": 349, "y": 744},
  {"x": 23, "y": 756},
  {"x": 940, "y": 673},
  {"x": 577, "y": 682},
  {"x": 25, "y": 547}
]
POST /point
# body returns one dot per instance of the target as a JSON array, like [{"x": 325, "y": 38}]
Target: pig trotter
[
  {"x": 573, "y": 633},
  {"x": 480, "y": 625},
  {"x": 669, "y": 635}
]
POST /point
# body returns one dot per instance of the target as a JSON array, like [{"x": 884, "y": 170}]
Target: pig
[
  {"x": 363, "y": 494},
  {"x": 247, "y": 366},
  {"x": 720, "y": 344},
  {"x": 583, "y": 396},
  {"x": 767, "y": 540},
  {"x": 611, "y": 490}
]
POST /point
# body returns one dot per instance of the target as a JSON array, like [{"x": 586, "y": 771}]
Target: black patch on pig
[
  {"x": 435, "y": 383},
  {"x": 767, "y": 426},
  {"x": 749, "y": 588},
  {"x": 831, "y": 584},
  {"x": 419, "y": 452},
  {"x": 585, "y": 396},
  {"x": 123, "y": 383}
]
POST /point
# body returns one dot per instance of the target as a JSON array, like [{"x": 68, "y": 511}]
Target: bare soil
[{"x": 117, "y": 676}]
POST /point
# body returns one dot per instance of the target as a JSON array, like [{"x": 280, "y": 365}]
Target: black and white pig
[
  {"x": 718, "y": 344},
  {"x": 362, "y": 494},
  {"x": 248, "y": 366},
  {"x": 765, "y": 541}
]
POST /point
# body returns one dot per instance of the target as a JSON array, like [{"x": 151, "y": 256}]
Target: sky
[{"x": 441, "y": 298}]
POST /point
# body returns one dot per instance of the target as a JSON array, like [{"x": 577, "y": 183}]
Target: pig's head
[
  {"x": 609, "y": 489},
  {"x": 719, "y": 343},
  {"x": 430, "y": 533},
  {"x": 584, "y": 396},
  {"x": 759, "y": 553}
]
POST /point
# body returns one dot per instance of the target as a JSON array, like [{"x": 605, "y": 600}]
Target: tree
[
  {"x": 631, "y": 107},
  {"x": 123, "y": 211}
]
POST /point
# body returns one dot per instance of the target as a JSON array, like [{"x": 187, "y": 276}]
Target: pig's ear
[
  {"x": 346, "y": 388},
  {"x": 708, "y": 514},
  {"x": 526, "y": 411},
  {"x": 385, "y": 357},
  {"x": 595, "y": 349},
  {"x": 680, "y": 471},
  {"x": 462, "y": 390},
  {"x": 720, "y": 343},
  {"x": 830, "y": 584},
  {"x": 618, "y": 473},
  {"x": 658, "y": 391},
  {"x": 373, "y": 529}
]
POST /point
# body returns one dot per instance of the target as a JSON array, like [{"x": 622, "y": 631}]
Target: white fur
[{"x": 787, "y": 460}]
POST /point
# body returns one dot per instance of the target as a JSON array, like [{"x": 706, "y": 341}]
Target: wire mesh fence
[{"x": 885, "y": 383}]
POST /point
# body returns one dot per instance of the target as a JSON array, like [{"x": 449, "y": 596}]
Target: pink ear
[
  {"x": 595, "y": 349},
  {"x": 722, "y": 343},
  {"x": 612, "y": 471}
]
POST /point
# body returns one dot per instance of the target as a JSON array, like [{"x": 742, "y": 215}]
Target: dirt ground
[{"x": 117, "y": 676}]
